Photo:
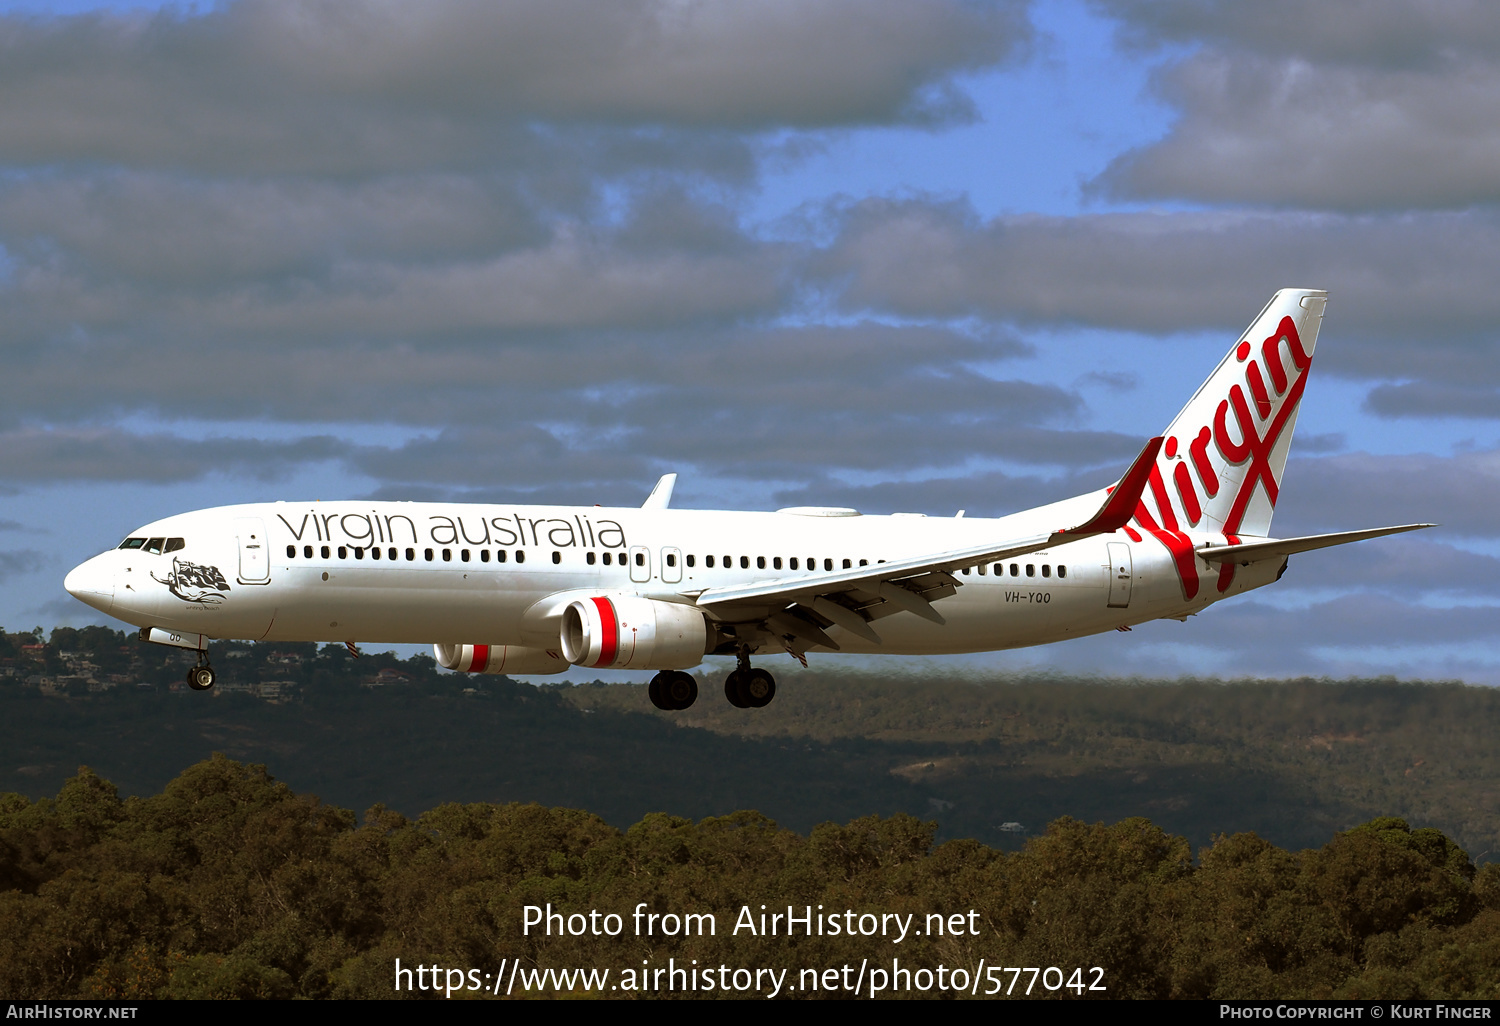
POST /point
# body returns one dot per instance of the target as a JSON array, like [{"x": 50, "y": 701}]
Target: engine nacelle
[
  {"x": 628, "y": 632},
  {"x": 498, "y": 659}
]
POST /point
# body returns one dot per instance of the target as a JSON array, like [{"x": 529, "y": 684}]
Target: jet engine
[
  {"x": 498, "y": 659},
  {"x": 627, "y": 632}
]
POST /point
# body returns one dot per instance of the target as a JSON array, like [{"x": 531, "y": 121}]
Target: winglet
[
  {"x": 1124, "y": 497},
  {"x": 661, "y": 495}
]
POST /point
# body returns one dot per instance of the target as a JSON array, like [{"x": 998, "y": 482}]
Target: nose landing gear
[{"x": 201, "y": 677}]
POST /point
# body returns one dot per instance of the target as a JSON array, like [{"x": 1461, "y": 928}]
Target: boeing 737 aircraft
[{"x": 537, "y": 589}]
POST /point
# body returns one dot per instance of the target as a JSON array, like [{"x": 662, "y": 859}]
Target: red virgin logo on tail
[{"x": 1242, "y": 444}]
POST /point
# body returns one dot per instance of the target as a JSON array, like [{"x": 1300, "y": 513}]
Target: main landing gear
[
  {"x": 747, "y": 687},
  {"x": 673, "y": 690},
  {"x": 201, "y": 677}
]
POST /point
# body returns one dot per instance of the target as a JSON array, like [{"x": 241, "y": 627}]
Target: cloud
[
  {"x": 1391, "y": 34},
  {"x": 333, "y": 87},
  {"x": 1402, "y": 567},
  {"x": 1391, "y": 279},
  {"x": 1426, "y": 399},
  {"x": 1346, "y": 105},
  {"x": 40, "y": 455},
  {"x": 15, "y": 562},
  {"x": 982, "y": 494},
  {"x": 594, "y": 412},
  {"x": 1352, "y": 490}
]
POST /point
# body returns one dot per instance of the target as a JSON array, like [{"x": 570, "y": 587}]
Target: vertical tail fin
[{"x": 1220, "y": 467}]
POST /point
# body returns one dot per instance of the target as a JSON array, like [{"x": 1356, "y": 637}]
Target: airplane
[{"x": 506, "y": 589}]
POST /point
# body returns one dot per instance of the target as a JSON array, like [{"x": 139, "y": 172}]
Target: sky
[{"x": 904, "y": 255}]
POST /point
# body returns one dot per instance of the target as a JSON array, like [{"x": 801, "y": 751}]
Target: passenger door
[
  {"x": 255, "y": 555},
  {"x": 1119, "y": 575}
]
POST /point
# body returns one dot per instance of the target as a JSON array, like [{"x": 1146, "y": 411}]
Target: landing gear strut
[
  {"x": 747, "y": 687},
  {"x": 673, "y": 690},
  {"x": 201, "y": 677}
]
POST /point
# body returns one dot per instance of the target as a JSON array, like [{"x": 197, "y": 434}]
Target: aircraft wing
[
  {"x": 1251, "y": 551},
  {"x": 851, "y": 598}
]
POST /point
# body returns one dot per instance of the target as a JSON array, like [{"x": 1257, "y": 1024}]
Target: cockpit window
[{"x": 154, "y": 545}]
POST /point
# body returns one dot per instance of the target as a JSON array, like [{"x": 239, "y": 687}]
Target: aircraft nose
[{"x": 93, "y": 582}]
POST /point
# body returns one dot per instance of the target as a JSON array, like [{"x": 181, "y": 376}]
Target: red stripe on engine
[
  {"x": 609, "y": 632},
  {"x": 481, "y": 659}
]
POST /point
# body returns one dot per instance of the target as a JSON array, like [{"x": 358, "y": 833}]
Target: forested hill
[
  {"x": 993, "y": 760},
  {"x": 229, "y": 884}
]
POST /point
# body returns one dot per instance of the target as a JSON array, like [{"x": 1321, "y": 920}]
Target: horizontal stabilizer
[{"x": 1252, "y": 551}]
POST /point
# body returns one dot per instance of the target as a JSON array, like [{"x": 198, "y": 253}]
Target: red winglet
[{"x": 1123, "y": 499}]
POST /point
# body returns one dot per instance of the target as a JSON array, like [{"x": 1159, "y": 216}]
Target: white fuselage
[{"x": 398, "y": 572}]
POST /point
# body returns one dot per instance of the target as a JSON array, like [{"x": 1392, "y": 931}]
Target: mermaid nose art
[{"x": 93, "y": 583}]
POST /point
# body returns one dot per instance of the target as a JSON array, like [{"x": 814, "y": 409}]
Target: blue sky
[{"x": 900, "y": 255}]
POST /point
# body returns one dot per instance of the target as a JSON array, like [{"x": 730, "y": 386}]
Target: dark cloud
[
  {"x": 1346, "y": 105},
  {"x": 1406, "y": 34},
  {"x": 15, "y": 562},
  {"x": 1352, "y": 490},
  {"x": 35, "y": 455},
  {"x": 166, "y": 235},
  {"x": 1401, "y": 566},
  {"x": 1427, "y": 399},
  {"x": 80, "y": 282},
  {"x": 331, "y": 87},
  {"x": 783, "y": 404},
  {"x": 1392, "y": 280},
  {"x": 983, "y": 494}
]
